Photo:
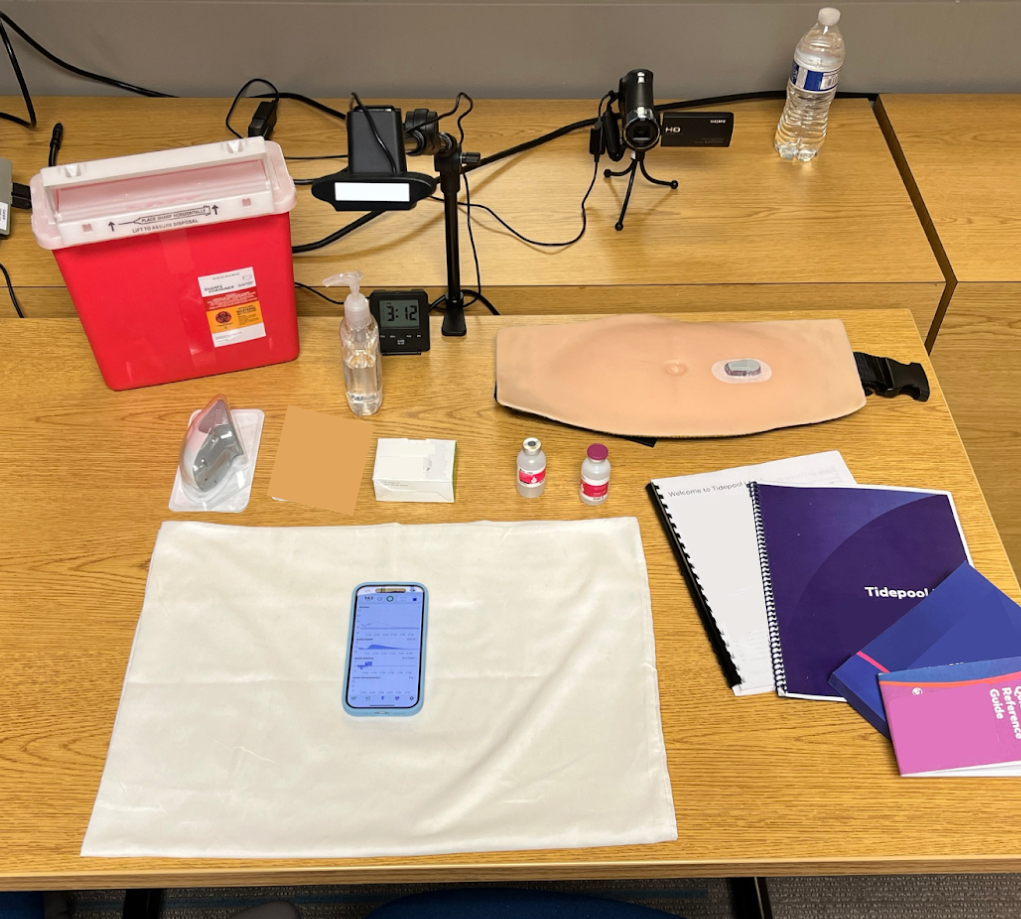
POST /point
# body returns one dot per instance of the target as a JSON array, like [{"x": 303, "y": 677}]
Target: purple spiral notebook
[{"x": 840, "y": 565}]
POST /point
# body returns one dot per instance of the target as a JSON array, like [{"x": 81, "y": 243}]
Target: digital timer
[{"x": 403, "y": 320}]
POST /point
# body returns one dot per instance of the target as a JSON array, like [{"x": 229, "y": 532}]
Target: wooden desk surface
[
  {"x": 741, "y": 215},
  {"x": 960, "y": 153},
  {"x": 762, "y": 785}
]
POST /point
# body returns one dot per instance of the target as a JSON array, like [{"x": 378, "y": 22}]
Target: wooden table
[
  {"x": 959, "y": 155},
  {"x": 741, "y": 221},
  {"x": 762, "y": 785}
]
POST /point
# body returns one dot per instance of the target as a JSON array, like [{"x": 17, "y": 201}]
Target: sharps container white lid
[{"x": 78, "y": 204}]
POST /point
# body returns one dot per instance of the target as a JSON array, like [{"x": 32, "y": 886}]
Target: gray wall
[{"x": 573, "y": 48}]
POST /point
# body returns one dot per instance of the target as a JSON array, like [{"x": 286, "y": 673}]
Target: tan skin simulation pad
[{"x": 648, "y": 376}]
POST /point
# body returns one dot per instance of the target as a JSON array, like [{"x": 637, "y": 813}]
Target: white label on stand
[{"x": 4, "y": 216}]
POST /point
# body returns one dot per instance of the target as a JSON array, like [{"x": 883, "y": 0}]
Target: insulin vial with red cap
[
  {"x": 595, "y": 475},
  {"x": 531, "y": 469}
]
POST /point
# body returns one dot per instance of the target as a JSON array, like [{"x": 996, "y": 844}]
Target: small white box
[{"x": 414, "y": 470}]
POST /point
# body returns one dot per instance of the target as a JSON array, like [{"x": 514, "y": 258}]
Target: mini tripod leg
[
  {"x": 607, "y": 173},
  {"x": 619, "y": 225},
  {"x": 672, "y": 183}
]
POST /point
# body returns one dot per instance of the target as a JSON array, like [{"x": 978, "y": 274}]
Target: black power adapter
[
  {"x": 264, "y": 119},
  {"x": 697, "y": 129}
]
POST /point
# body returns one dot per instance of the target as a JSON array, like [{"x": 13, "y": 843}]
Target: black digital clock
[{"x": 403, "y": 320}]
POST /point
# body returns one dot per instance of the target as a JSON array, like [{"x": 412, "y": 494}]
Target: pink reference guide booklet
[{"x": 956, "y": 720}]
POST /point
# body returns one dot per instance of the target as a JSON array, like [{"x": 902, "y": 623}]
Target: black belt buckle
[{"x": 888, "y": 378}]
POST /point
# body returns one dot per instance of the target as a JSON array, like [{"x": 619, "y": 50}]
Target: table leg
[
  {"x": 750, "y": 898},
  {"x": 142, "y": 904}
]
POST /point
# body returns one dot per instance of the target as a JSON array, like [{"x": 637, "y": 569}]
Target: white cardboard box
[{"x": 414, "y": 470}]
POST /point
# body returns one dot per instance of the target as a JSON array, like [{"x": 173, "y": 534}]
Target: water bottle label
[{"x": 813, "y": 81}]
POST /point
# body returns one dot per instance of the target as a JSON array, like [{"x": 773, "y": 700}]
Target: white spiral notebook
[{"x": 710, "y": 521}]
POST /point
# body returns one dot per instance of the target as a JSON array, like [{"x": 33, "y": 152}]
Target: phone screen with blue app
[{"x": 384, "y": 670}]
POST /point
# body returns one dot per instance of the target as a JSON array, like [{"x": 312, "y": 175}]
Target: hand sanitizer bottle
[{"x": 359, "y": 339}]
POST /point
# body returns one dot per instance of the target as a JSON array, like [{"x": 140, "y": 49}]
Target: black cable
[
  {"x": 584, "y": 201},
  {"x": 78, "y": 71},
  {"x": 237, "y": 98},
  {"x": 318, "y": 293},
  {"x": 442, "y": 115},
  {"x": 484, "y": 301},
  {"x": 324, "y": 156},
  {"x": 664, "y": 107},
  {"x": 10, "y": 290},
  {"x": 338, "y": 234},
  {"x": 25, "y": 94},
  {"x": 532, "y": 144},
  {"x": 468, "y": 196},
  {"x": 721, "y": 100},
  {"x": 375, "y": 132},
  {"x": 305, "y": 100},
  {"x": 56, "y": 139},
  {"x": 561, "y": 132}
]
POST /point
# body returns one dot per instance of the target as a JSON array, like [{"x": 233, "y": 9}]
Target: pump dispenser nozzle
[{"x": 356, "y": 306}]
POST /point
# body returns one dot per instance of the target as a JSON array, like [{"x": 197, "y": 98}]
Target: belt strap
[{"x": 886, "y": 377}]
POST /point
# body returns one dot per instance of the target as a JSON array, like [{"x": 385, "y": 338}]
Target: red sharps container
[{"x": 178, "y": 262}]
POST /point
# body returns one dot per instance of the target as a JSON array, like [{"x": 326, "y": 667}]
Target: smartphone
[{"x": 385, "y": 672}]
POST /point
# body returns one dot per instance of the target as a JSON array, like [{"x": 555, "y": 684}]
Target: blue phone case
[{"x": 350, "y": 641}]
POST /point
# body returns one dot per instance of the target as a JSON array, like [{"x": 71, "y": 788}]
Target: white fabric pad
[{"x": 539, "y": 728}]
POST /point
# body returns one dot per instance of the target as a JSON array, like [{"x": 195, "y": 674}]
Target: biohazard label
[{"x": 232, "y": 307}]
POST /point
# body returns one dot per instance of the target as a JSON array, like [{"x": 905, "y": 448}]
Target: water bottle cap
[
  {"x": 828, "y": 16},
  {"x": 598, "y": 452},
  {"x": 531, "y": 445}
]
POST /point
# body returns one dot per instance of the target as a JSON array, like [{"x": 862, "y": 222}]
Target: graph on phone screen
[{"x": 386, "y": 650}]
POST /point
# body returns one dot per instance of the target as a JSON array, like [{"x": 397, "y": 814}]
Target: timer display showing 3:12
[{"x": 398, "y": 314}]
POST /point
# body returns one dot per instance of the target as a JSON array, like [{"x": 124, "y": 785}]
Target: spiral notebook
[
  {"x": 709, "y": 522},
  {"x": 840, "y": 565}
]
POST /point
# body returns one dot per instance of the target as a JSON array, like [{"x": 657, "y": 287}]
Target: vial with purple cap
[{"x": 595, "y": 475}]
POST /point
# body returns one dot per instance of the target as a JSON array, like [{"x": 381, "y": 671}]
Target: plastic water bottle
[
  {"x": 359, "y": 340},
  {"x": 811, "y": 88}
]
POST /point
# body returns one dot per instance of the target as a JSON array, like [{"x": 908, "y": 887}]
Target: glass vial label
[
  {"x": 594, "y": 491},
  {"x": 813, "y": 81},
  {"x": 535, "y": 477}
]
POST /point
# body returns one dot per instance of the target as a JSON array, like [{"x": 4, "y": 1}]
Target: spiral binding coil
[
  {"x": 698, "y": 582},
  {"x": 779, "y": 673}
]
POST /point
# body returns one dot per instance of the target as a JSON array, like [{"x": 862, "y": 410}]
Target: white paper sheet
[
  {"x": 540, "y": 723},
  {"x": 712, "y": 512}
]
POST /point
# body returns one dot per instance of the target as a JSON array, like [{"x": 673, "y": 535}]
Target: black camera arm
[{"x": 422, "y": 137}]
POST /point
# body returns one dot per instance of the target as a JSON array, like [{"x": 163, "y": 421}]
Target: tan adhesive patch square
[{"x": 320, "y": 460}]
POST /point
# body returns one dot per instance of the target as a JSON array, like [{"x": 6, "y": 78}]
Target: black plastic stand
[
  {"x": 637, "y": 163},
  {"x": 448, "y": 163}
]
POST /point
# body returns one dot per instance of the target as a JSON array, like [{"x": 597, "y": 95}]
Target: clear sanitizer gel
[{"x": 359, "y": 340}]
